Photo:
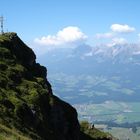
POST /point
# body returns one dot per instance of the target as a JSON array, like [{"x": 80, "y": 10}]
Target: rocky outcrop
[
  {"x": 26, "y": 99},
  {"x": 17, "y": 47}
]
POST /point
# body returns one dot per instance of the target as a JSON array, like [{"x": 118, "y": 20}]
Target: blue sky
[{"x": 34, "y": 19}]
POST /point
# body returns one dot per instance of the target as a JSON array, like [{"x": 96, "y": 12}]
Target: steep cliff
[{"x": 27, "y": 104}]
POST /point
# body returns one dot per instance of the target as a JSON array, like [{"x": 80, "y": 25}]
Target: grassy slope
[
  {"x": 11, "y": 134},
  {"x": 91, "y": 133}
]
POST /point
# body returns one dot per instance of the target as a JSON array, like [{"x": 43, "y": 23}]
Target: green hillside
[{"x": 28, "y": 108}]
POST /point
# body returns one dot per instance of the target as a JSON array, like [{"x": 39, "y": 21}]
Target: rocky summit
[{"x": 28, "y": 108}]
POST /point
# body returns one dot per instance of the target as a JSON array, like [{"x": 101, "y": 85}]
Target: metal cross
[{"x": 1, "y": 22}]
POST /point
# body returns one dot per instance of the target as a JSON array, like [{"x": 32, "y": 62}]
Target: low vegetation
[{"x": 92, "y": 133}]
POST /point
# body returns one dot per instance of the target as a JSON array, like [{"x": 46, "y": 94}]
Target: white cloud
[
  {"x": 104, "y": 35},
  {"x": 67, "y": 35},
  {"x": 122, "y": 28},
  {"x": 72, "y": 36},
  {"x": 117, "y": 41}
]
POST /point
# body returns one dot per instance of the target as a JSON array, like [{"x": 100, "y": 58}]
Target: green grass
[
  {"x": 11, "y": 134},
  {"x": 94, "y": 133}
]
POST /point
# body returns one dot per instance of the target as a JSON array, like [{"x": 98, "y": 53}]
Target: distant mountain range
[{"x": 95, "y": 74}]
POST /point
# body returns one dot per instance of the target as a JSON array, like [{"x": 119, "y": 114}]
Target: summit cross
[{"x": 1, "y": 22}]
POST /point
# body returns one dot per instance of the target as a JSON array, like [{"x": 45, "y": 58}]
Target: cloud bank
[
  {"x": 67, "y": 35},
  {"x": 117, "y": 41},
  {"x": 122, "y": 28},
  {"x": 104, "y": 35},
  {"x": 117, "y": 35},
  {"x": 72, "y": 36}
]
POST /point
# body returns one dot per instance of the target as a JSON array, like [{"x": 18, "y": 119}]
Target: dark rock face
[
  {"x": 26, "y": 99},
  {"x": 64, "y": 120}
]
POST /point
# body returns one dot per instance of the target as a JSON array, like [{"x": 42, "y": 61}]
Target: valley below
[
  {"x": 108, "y": 103},
  {"x": 102, "y": 101},
  {"x": 103, "y": 89}
]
